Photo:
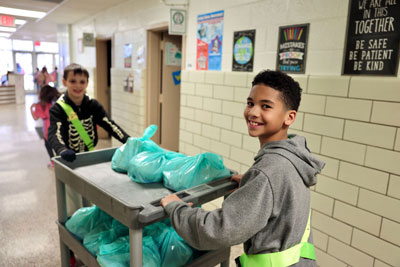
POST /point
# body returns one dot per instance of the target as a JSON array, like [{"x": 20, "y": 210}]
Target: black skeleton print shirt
[{"x": 62, "y": 133}]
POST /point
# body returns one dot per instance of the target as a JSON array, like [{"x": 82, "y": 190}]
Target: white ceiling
[{"x": 58, "y": 12}]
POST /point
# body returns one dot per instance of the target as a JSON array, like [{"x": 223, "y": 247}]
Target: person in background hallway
[
  {"x": 64, "y": 137},
  {"x": 36, "y": 80},
  {"x": 20, "y": 70},
  {"x": 44, "y": 77},
  {"x": 270, "y": 210},
  {"x": 47, "y": 96},
  {"x": 54, "y": 77}
]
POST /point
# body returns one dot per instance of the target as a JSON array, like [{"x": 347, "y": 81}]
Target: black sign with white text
[{"x": 373, "y": 37}]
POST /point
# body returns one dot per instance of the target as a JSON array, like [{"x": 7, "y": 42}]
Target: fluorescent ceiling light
[
  {"x": 5, "y": 34},
  {"x": 7, "y": 29},
  {"x": 19, "y": 21},
  {"x": 22, "y": 12}
]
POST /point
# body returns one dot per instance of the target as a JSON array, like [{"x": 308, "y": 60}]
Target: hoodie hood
[{"x": 296, "y": 151}]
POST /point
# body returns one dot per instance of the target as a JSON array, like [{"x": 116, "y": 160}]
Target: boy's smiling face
[
  {"x": 76, "y": 85},
  {"x": 266, "y": 114}
]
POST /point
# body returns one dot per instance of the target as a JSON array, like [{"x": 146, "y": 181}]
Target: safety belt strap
[
  {"x": 284, "y": 258},
  {"x": 73, "y": 118}
]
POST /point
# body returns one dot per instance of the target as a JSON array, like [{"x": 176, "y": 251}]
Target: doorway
[
  {"x": 103, "y": 79},
  {"x": 24, "y": 66},
  {"x": 164, "y": 56}
]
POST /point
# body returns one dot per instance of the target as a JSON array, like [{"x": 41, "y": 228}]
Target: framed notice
[
  {"x": 177, "y": 22},
  {"x": 88, "y": 39},
  {"x": 292, "y": 48},
  {"x": 128, "y": 55},
  {"x": 209, "y": 40},
  {"x": 243, "y": 50},
  {"x": 373, "y": 37}
]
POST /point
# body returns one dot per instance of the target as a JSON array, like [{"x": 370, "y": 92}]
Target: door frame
[
  {"x": 153, "y": 81},
  {"x": 101, "y": 91}
]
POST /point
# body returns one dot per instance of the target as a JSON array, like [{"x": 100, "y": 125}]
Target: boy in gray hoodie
[{"x": 270, "y": 210}]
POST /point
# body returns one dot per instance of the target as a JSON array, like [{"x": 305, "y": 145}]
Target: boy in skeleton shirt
[{"x": 64, "y": 135}]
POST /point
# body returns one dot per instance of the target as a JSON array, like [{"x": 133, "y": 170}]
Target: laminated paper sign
[
  {"x": 292, "y": 48},
  {"x": 243, "y": 50},
  {"x": 373, "y": 38},
  {"x": 209, "y": 40},
  {"x": 88, "y": 39},
  {"x": 128, "y": 55}
]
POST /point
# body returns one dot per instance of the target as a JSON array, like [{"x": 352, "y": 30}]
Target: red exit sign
[{"x": 7, "y": 21}]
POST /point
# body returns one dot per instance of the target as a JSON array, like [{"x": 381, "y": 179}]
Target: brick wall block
[
  {"x": 370, "y": 134},
  {"x": 349, "y": 254},
  {"x": 376, "y": 247},
  {"x": 331, "y": 227},
  {"x": 337, "y": 189},
  {"x": 364, "y": 177},
  {"x": 328, "y": 85},
  {"x": 361, "y": 219},
  {"x": 343, "y": 150},
  {"x": 348, "y": 108}
]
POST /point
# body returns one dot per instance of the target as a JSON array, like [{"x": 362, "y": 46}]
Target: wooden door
[
  {"x": 169, "y": 99},
  {"x": 163, "y": 94}
]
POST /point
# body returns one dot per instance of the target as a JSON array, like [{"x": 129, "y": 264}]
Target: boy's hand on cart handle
[
  {"x": 171, "y": 198},
  {"x": 236, "y": 178},
  {"x": 68, "y": 155}
]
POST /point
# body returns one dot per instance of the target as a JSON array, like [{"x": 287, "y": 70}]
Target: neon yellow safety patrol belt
[
  {"x": 73, "y": 118},
  {"x": 284, "y": 258}
]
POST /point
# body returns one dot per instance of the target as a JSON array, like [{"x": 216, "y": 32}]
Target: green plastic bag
[
  {"x": 147, "y": 166},
  {"x": 151, "y": 254},
  {"x": 157, "y": 231},
  {"x": 175, "y": 252},
  {"x": 183, "y": 173},
  {"x": 104, "y": 234},
  {"x": 117, "y": 254},
  {"x": 119, "y": 228},
  {"x": 133, "y": 146},
  {"x": 85, "y": 220},
  {"x": 120, "y": 245},
  {"x": 101, "y": 235}
]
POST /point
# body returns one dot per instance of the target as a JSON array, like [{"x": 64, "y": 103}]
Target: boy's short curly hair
[
  {"x": 289, "y": 88},
  {"x": 76, "y": 69}
]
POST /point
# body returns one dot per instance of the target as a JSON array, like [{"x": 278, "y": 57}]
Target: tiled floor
[{"x": 28, "y": 212}]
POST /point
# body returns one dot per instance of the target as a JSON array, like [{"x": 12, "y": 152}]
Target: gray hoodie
[{"x": 269, "y": 211}]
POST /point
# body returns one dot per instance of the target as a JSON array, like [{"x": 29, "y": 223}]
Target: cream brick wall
[
  {"x": 128, "y": 109},
  {"x": 357, "y": 197},
  {"x": 352, "y": 123}
]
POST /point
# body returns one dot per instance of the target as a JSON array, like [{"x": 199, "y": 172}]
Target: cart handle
[{"x": 197, "y": 195}]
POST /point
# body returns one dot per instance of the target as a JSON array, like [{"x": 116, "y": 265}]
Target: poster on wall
[
  {"x": 173, "y": 56},
  {"x": 88, "y": 39},
  {"x": 128, "y": 83},
  {"x": 128, "y": 55},
  {"x": 209, "y": 40},
  {"x": 177, "y": 22},
  {"x": 243, "y": 50},
  {"x": 373, "y": 37},
  {"x": 292, "y": 48}
]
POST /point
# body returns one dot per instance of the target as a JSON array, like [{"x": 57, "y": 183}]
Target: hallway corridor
[{"x": 28, "y": 211}]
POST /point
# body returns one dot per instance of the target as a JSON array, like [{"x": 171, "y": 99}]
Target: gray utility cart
[{"x": 134, "y": 205}]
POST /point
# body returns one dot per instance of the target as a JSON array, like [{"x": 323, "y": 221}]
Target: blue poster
[
  {"x": 176, "y": 75},
  {"x": 209, "y": 40}
]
